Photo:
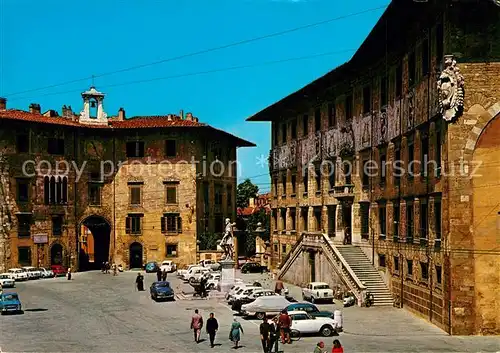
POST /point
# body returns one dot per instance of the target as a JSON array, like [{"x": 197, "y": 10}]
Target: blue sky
[{"x": 48, "y": 42}]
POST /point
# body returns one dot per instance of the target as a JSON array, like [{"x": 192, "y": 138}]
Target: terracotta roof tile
[
  {"x": 15, "y": 114},
  {"x": 153, "y": 121}
]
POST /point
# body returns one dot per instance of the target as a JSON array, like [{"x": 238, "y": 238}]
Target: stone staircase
[{"x": 367, "y": 274}]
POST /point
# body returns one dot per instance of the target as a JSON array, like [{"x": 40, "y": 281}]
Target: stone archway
[
  {"x": 135, "y": 255},
  {"x": 56, "y": 254},
  {"x": 95, "y": 242}
]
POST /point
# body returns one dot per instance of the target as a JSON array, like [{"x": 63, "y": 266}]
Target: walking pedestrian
[
  {"x": 103, "y": 267},
  {"x": 234, "y": 333},
  {"x": 278, "y": 288},
  {"x": 337, "y": 347},
  {"x": 107, "y": 267},
  {"x": 274, "y": 331},
  {"x": 284, "y": 323},
  {"x": 212, "y": 327},
  {"x": 158, "y": 274},
  {"x": 115, "y": 270},
  {"x": 196, "y": 325},
  {"x": 139, "y": 282},
  {"x": 265, "y": 337},
  {"x": 320, "y": 347},
  {"x": 69, "y": 274},
  {"x": 164, "y": 275}
]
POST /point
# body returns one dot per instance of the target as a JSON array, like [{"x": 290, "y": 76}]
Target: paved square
[{"x": 100, "y": 313}]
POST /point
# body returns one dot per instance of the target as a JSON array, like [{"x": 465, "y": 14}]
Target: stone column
[
  {"x": 288, "y": 223},
  {"x": 324, "y": 219},
  {"x": 340, "y": 224},
  {"x": 310, "y": 218},
  {"x": 402, "y": 221},
  {"x": 389, "y": 221},
  {"x": 356, "y": 223}
]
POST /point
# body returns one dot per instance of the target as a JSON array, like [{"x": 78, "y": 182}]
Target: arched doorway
[
  {"x": 56, "y": 254},
  {"x": 135, "y": 259},
  {"x": 94, "y": 246}
]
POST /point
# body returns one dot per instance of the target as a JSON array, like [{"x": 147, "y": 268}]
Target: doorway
[
  {"x": 56, "y": 254},
  {"x": 347, "y": 222},
  {"x": 95, "y": 240},
  {"x": 135, "y": 254},
  {"x": 312, "y": 265}
]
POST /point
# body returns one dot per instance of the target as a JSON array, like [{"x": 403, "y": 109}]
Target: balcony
[{"x": 346, "y": 190}]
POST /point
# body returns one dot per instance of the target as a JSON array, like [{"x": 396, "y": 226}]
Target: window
[
  {"x": 305, "y": 178},
  {"x": 409, "y": 268},
  {"x": 305, "y": 125},
  {"x": 411, "y": 158},
  {"x": 94, "y": 194},
  {"x": 219, "y": 223},
  {"x": 396, "y": 264},
  {"x": 367, "y": 99},
  {"x": 424, "y": 233},
  {"x": 439, "y": 43},
  {"x": 55, "y": 146},
  {"x": 439, "y": 275},
  {"x": 293, "y": 218},
  {"x": 348, "y": 108},
  {"x": 171, "y": 193},
  {"x": 381, "y": 260},
  {"x": 317, "y": 218},
  {"x": 135, "y": 149},
  {"x": 135, "y": 195},
  {"x": 424, "y": 156},
  {"x": 133, "y": 224},
  {"x": 399, "y": 81},
  {"x": 293, "y": 129},
  {"x": 382, "y": 220},
  {"x": 317, "y": 176},
  {"x": 332, "y": 117},
  {"x": 383, "y": 91},
  {"x": 317, "y": 120},
  {"x": 275, "y": 219},
  {"x": 303, "y": 215},
  {"x": 283, "y": 133},
  {"x": 383, "y": 168},
  {"x": 331, "y": 220},
  {"x": 24, "y": 255},
  {"x": 365, "y": 220},
  {"x": 411, "y": 69},
  {"x": 331, "y": 175},
  {"x": 437, "y": 223},
  {"x": 283, "y": 248},
  {"x": 425, "y": 57},
  {"x": 366, "y": 176},
  {"x": 283, "y": 182},
  {"x": 347, "y": 171},
  {"x": 171, "y": 250},
  {"x": 424, "y": 271},
  {"x": 283, "y": 218},
  {"x": 275, "y": 248},
  {"x": 171, "y": 223},
  {"x": 57, "y": 224},
  {"x": 23, "y": 187},
  {"x": 218, "y": 194},
  {"x": 397, "y": 162},
  {"x": 170, "y": 148},
  {"x": 409, "y": 222},
  {"x": 438, "y": 153},
  {"x": 294, "y": 184},
  {"x": 22, "y": 143},
  {"x": 395, "y": 224},
  {"x": 24, "y": 225}
]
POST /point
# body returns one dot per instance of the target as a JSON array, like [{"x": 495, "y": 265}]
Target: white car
[
  {"x": 46, "y": 273},
  {"x": 265, "y": 305},
  {"x": 213, "y": 280},
  {"x": 6, "y": 281},
  {"x": 237, "y": 289},
  {"x": 168, "y": 266},
  {"x": 18, "y": 274},
  {"x": 263, "y": 293},
  {"x": 246, "y": 293},
  {"x": 316, "y": 291},
  {"x": 305, "y": 323},
  {"x": 182, "y": 272},
  {"x": 195, "y": 273},
  {"x": 33, "y": 272}
]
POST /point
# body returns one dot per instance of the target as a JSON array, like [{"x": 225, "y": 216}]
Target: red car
[{"x": 58, "y": 270}]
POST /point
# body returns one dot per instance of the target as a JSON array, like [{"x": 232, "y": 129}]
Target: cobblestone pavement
[{"x": 100, "y": 313}]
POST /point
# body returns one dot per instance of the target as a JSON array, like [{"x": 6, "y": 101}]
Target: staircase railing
[{"x": 294, "y": 252}]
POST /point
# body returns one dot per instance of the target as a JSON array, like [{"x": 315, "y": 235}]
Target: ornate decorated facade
[{"x": 420, "y": 103}]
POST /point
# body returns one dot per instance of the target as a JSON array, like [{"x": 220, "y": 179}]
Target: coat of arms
[{"x": 450, "y": 87}]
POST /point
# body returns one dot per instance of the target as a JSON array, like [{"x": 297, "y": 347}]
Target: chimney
[
  {"x": 189, "y": 117},
  {"x": 121, "y": 114},
  {"x": 195, "y": 119},
  {"x": 3, "y": 103},
  {"x": 35, "y": 108},
  {"x": 181, "y": 114}
]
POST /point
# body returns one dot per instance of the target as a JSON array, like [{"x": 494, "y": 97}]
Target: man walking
[
  {"x": 158, "y": 275},
  {"x": 212, "y": 327},
  {"x": 164, "y": 275},
  {"x": 284, "y": 323},
  {"x": 265, "y": 335},
  {"x": 274, "y": 333},
  {"x": 196, "y": 325}
]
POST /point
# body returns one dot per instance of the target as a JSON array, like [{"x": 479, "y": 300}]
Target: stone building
[
  {"x": 80, "y": 189},
  {"x": 424, "y": 87}
]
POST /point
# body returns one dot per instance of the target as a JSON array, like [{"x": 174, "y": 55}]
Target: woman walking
[
  {"x": 139, "y": 282},
  {"x": 234, "y": 334},
  {"x": 337, "y": 347}
]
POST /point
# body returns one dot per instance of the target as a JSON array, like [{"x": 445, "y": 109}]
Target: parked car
[
  {"x": 151, "y": 267},
  {"x": 32, "y": 272},
  {"x": 246, "y": 293},
  {"x": 237, "y": 289},
  {"x": 182, "y": 272},
  {"x": 58, "y": 270},
  {"x": 316, "y": 291},
  {"x": 262, "y": 306},
  {"x": 18, "y": 274},
  {"x": 161, "y": 291},
  {"x": 253, "y": 267},
  {"x": 168, "y": 266},
  {"x": 213, "y": 280},
  {"x": 194, "y": 275},
  {"x": 238, "y": 303},
  {"x": 6, "y": 281},
  {"x": 46, "y": 273},
  {"x": 305, "y": 323},
  {"x": 10, "y": 303},
  {"x": 309, "y": 308}
]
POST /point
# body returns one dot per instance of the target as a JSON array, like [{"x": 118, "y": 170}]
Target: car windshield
[
  {"x": 322, "y": 286},
  {"x": 163, "y": 284},
  {"x": 4, "y": 276},
  {"x": 9, "y": 296}
]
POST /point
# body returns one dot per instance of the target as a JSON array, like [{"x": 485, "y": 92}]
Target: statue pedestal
[{"x": 227, "y": 275}]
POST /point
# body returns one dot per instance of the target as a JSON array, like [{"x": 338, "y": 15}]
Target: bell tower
[{"x": 93, "y": 111}]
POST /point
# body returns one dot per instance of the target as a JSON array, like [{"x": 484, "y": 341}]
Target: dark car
[
  {"x": 151, "y": 267},
  {"x": 58, "y": 270},
  {"x": 253, "y": 267},
  {"x": 161, "y": 291},
  {"x": 310, "y": 309},
  {"x": 10, "y": 303}
]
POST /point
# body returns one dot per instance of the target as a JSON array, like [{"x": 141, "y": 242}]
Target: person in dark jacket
[
  {"x": 164, "y": 275},
  {"x": 274, "y": 333},
  {"x": 139, "y": 281},
  {"x": 158, "y": 275},
  {"x": 212, "y": 327},
  {"x": 265, "y": 335}
]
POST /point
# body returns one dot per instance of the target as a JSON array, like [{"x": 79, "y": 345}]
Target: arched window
[
  {"x": 52, "y": 190},
  {"x": 65, "y": 190},
  {"x": 46, "y": 190},
  {"x": 58, "y": 190}
]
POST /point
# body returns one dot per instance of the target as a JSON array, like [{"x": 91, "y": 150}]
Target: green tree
[
  {"x": 245, "y": 191},
  {"x": 208, "y": 241}
]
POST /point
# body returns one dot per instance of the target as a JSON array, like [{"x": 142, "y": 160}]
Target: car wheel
[
  {"x": 191, "y": 280},
  {"x": 260, "y": 316},
  {"x": 326, "y": 331},
  {"x": 211, "y": 286}
]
